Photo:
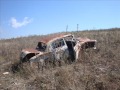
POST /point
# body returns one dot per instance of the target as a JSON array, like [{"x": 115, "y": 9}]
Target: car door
[{"x": 59, "y": 48}]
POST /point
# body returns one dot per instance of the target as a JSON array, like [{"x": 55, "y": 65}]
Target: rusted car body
[{"x": 60, "y": 47}]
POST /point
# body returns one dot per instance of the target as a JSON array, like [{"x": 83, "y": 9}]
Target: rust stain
[
  {"x": 85, "y": 40},
  {"x": 31, "y": 50},
  {"x": 51, "y": 37}
]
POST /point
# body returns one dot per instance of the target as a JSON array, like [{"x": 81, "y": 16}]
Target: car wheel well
[{"x": 28, "y": 56}]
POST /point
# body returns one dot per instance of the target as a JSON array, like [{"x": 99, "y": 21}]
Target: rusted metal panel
[
  {"x": 31, "y": 50},
  {"x": 53, "y": 37}
]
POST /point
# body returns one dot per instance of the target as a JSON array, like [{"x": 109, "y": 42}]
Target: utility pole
[
  {"x": 77, "y": 27},
  {"x": 66, "y": 29}
]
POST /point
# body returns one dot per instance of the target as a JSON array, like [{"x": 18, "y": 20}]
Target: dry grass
[{"x": 96, "y": 70}]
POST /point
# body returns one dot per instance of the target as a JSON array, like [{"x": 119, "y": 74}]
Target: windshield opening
[{"x": 41, "y": 46}]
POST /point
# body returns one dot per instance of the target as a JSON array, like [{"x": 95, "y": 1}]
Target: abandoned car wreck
[{"x": 60, "y": 48}]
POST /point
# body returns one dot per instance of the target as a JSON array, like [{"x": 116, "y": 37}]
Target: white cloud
[{"x": 15, "y": 24}]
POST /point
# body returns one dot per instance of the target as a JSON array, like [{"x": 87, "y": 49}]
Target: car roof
[{"x": 53, "y": 37}]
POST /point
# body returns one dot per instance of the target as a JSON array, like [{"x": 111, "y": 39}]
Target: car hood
[
  {"x": 87, "y": 43},
  {"x": 29, "y": 51}
]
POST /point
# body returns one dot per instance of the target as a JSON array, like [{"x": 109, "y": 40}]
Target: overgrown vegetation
[{"x": 96, "y": 70}]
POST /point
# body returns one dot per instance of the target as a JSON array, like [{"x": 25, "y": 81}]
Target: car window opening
[
  {"x": 41, "y": 46},
  {"x": 58, "y": 43}
]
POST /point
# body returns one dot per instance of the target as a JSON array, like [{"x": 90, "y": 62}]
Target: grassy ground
[{"x": 97, "y": 70}]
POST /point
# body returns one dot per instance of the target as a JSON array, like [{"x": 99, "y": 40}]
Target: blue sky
[{"x": 38, "y": 17}]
